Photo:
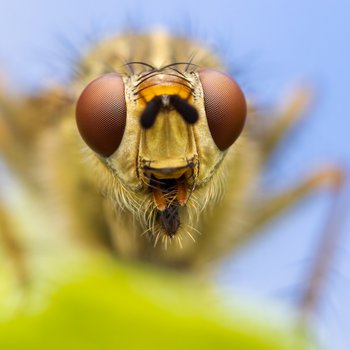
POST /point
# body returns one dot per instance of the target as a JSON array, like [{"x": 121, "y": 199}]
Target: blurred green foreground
[{"x": 108, "y": 305}]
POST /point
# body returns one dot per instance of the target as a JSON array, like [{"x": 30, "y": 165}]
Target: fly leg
[
  {"x": 232, "y": 231},
  {"x": 12, "y": 247},
  {"x": 328, "y": 177},
  {"x": 325, "y": 252}
]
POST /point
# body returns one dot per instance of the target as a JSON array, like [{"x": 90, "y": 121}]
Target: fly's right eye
[{"x": 101, "y": 114}]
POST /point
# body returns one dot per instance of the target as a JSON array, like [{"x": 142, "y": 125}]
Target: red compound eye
[
  {"x": 225, "y": 107},
  {"x": 101, "y": 114}
]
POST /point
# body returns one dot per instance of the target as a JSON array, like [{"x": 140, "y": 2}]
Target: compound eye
[
  {"x": 101, "y": 114},
  {"x": 225, "y": 107}
]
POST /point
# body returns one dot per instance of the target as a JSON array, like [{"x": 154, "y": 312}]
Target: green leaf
[{"x": 117, "y": 306}]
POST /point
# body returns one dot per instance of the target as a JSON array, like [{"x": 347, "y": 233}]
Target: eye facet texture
[
  {"x": 225, "y": 107},
  {"x": 101, "y": 114}
]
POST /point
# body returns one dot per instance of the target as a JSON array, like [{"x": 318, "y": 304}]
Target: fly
[
  {"x": 156, "y": 156},
  {"x": 172, "y": 126}
]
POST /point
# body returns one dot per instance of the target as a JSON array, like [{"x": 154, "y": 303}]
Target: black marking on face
[
  {"x": 184, "y": 108},
  {"x": 151, "y": 111}
]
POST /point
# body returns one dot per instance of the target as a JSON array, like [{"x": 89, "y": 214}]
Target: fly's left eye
[
  {"x": 101, "y": 114},
  {"x": 225, "y": 107}
]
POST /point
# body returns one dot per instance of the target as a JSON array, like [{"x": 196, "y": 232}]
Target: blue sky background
[{"x": 278, "y": 44}]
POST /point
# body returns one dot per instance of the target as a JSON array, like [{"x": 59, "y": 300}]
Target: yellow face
[{"x": 162, "y": 134}]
